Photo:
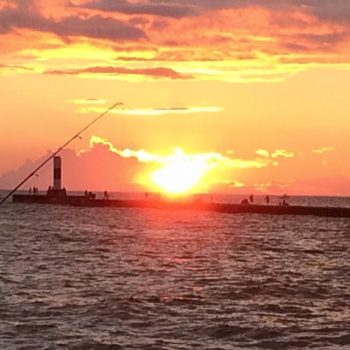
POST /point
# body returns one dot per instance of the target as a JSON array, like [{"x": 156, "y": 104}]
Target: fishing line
[{"x": 58, "y": 151}]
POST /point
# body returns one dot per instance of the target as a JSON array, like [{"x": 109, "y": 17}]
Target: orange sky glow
[{"x": 219, "y": 96}]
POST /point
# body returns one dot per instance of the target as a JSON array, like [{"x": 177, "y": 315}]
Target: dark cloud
[
  {"x": 330, "y": 10},
  {"x": 96, "y": 27},
  {"x": 325, "y": 40},
  {"x": 163, "y": 8},
  {"x": 158, "y": 72},
  {"x": 327, "y": 8},
  {"x": 314, "y": 42},
  {"x": 25, "y": 16}
]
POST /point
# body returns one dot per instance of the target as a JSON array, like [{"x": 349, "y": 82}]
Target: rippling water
[{"x": 92, "y": 278}]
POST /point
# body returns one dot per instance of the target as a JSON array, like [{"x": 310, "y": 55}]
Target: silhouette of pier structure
[{"x": 58, "y": 196}]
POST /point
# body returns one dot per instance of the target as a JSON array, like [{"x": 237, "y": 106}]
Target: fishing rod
[{"x": 59, "y": 150}]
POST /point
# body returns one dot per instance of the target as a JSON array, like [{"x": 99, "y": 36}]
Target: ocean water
[{"x": 105, "y": 279}]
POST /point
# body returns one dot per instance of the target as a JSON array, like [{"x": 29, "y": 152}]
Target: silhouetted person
[
  {"x": 251, "y": 198},
  {"x": 91, "y": 195},
  {"x": 284, "y": 199},
  {"x": 86, "y": 193},
  {"x": 267, "y": 199},
  {"x": 105, "y": 195}
]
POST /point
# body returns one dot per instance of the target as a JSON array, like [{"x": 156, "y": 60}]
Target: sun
[{"x": 180, "y": 173}]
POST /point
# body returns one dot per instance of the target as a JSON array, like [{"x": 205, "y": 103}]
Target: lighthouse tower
[
  {"x": 57, "y": 193},
  {"x": 57, "y": 173}
]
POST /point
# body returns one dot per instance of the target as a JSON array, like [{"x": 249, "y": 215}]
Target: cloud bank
[
  {"x": 27, "y": 16},
  {"x": 227, "y": 40}
]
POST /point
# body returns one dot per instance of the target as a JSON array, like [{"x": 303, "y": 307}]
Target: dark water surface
[{"x": 92, "y": 278}]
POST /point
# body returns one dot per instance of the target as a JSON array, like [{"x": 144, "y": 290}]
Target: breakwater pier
[{"x": 60, "y": 198}]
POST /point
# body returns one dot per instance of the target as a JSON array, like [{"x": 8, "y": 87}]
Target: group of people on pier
[
  {"x": 250, "y": 200},
  {"x": 92, "y": 195},
  {"x": 34, "y": 190}
]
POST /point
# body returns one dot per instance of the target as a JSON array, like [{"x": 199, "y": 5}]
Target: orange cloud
[
  {"x": 9, "y": 69},
  {"x": 279, "y": 153},
  {"x": 324, "y": 150},
  {"x": 105, "y": 166},
  {"x": 263, "y": 153},
  {"x": 282, "y": 153},
  {"x": 178, "y": 171},
  {"x": 232, "y": 41},
  {"x": 88, "y": 101},
  {"x": 150, "y": 111},
  {"x": 154, "y": 73},
  {"x": 212, "y": 159}
]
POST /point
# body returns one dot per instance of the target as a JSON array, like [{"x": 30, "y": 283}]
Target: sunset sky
[{"x": 234, "y": 96}]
